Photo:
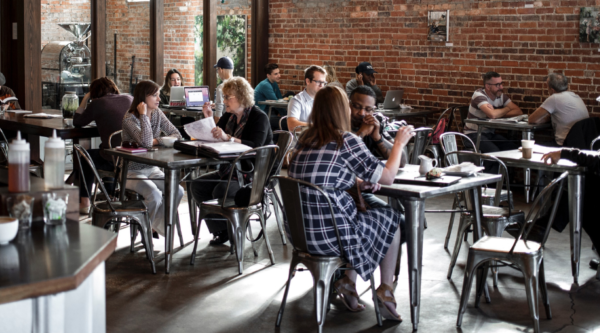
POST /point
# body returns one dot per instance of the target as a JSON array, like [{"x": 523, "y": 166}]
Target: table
[
  {"x": 407, "y": 113},
  {"x": 51, "y": 274},
  {"x": 172, "y": 161},
  {"x": 527, "y": 134},
  {"x": 274, "y": 104},
  {"x": 196, "y": 114},
  {"x": 413, "y": 198},
  {"x": 576, "y": 180},
  {"x": 33, "y": 128}
]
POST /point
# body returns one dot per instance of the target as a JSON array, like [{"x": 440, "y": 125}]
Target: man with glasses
[
  {"x": 365, "y": 75},
  {"x": 301, "y": 105},
  {"x": 490, "y": 102}
]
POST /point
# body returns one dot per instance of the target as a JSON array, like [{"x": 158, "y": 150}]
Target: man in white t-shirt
[
  {"x": 490, "y": 102},
  {"x": 301, "y": 105},
  {"x": 564, "y": 108}
]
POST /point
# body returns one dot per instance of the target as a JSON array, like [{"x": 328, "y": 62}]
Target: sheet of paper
[
  {"x": 201, "y": 129},
  {"x": 43, "y": 115}
]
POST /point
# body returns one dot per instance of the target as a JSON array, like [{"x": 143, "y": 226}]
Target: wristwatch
[{"x": 230, "y": 138}]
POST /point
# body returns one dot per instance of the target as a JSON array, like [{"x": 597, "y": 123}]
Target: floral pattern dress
[{"x": 366, "y": 236}]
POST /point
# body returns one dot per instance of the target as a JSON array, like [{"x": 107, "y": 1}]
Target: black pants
[
  {"x": 489, "y": 143},
  {"x": 207, "y": 187},
  {"x": 88, "y": 174}
]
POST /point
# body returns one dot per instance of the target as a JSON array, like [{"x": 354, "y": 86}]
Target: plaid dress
[{"x": 366, "y": 236}]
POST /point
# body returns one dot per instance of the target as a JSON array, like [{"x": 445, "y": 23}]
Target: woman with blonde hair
[
  {"x": 243, "y": 123},
  {"x": 331, "y": 78},
  {"x": 330, "y": 156}
]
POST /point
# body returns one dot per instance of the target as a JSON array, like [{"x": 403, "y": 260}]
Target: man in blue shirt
[{"x": 268, "y": 89}]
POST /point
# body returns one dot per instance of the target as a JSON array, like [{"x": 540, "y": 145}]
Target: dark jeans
[
  {"x": 207, "y": 187},
  {"x": 101, "y": 164},
  {"x": 489, "y": 143}
]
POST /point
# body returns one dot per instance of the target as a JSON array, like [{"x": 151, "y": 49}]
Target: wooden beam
[
  {"x": 209, "y": 46},
  {"x": 260, "y": 40},
  {"x": 29, "y": 59},
  {"x": 98, "y": 38},
  {"x": 157, "y": 41}
]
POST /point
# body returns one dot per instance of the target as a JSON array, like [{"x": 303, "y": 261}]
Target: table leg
[
  {"x": 527, "y": 136},
  {"x": 171, "y": 183},
  {"x": 124, "y": 170},
  {"x": 415, "y": 216},
  {"x": 269, "y": 113},
  {"x": 474, "y": 200},
  {"x": 479, "y": 130},
  {"x": 576, "y": 188}
]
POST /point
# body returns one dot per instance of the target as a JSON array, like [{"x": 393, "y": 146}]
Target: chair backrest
[
  {"x": 284, "y": 142},
  {"x": 593, "y": 142},
  {"x": 464, "y": 113},
  {"x": 449, "y": 144},
  {"x": 81, "y": 153},
  {"x": 4, "y": 146},
  {"x": 443, "y": 124},
  {"x": 292, "y": 207},
  {"x": 502, "y": 170},
  {"x": 114, "y": 140},
  {"x": 420, "y": 143},
  {"x": 263, "y": 163},
  {"x": 280, "y": 122},
  {"x": 538, "y": 206}
]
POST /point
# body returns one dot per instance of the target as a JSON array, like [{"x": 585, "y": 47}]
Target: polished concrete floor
[{"x": 211, "y": 297}]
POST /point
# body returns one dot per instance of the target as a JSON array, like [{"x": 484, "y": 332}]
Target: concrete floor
[{"x": 211, "y": 297}]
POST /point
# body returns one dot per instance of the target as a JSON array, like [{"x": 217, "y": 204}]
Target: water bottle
[
  {"x": 18, "y": 165},
  {"x": 54, "y": 162}
]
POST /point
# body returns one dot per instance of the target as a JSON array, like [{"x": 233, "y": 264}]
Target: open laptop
[
  {"x": 195, "y": 97},
  {"x": 176, "y": 98},
  {"x": 393, "y": 99}
]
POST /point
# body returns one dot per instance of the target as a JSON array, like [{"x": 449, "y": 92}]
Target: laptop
[
  {"x": 176, "y": 99},
  {"x": 393, "y": 99},
  {"x": 195, "y": 97}
]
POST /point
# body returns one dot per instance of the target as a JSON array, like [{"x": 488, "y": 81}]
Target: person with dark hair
[
  {"x": 143, "y": 124},
  {"x": 490, "y": 102},
  {"x": 243, "y": 123},
  {"x": 564, "y": 108},
  {"x": 105, "y": 106},
  {"x": 365, "y": 76},
  {"x": 329, "y": 156},
  {"x": 172, "y": 79},
  {"x": 6, "y": 92},
  {"x": 268, "y": 89},
  {"x": 301, "y": 105}
]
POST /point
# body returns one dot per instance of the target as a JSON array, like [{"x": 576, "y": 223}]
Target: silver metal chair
[
  {"x": 285, "y": 144},
  {"x": 593, "y": 142},
  {"x": 108, "y": 213},
  {"x": 418, "y": 147},
  {"x": 495, "y": 218},
  {"x": 280, "y": 122},
  {"x": 449, "y": 144},
  {"x": 238, "y": 217},
  {"x": 526, "y": 256},
  {"x": 322, "y": 268}
]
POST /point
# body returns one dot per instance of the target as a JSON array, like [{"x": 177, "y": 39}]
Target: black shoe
[
  {"x": 594, "y": 264},
  {"x": 219, "y": 238},
  {"x": 154, "y": 234}
]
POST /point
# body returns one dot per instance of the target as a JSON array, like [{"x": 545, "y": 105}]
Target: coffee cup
[
  {"x": 168, "y": 141},
  {"x": 527, "y": 146},
  {"x": 68, "y": 122},
  {"x": 9, "y": 226}
]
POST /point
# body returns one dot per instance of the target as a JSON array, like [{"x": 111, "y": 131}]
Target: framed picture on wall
[
  {"x": 589, "y": 25},
  {"x": 438, "y": 26}
]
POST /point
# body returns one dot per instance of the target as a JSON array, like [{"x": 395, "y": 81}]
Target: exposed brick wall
[
  {"x": 523, "y": 44},
  {"x": 62, "y": 11}
]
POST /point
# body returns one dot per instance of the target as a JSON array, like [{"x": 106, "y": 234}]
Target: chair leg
[
  {"x": 398, "y": 264},
  {"x": 146, "y": 232},
  {"x": 482, "y": 285},
  {"x": 544, "y": 290},
  {"x": 466, "y": 290},
  {"x": 278, "y": 215},
  {"x": 375, "y": 303},
  {"x": 463, "y": 225},
  {"x": 252, "y": 237},
  {"x": 178, "y": 226},
  {"x": 293, "y": 265},
  {"x": 196, "y": 238},
  {"x": 133, "y": 235},
  {"x": 322, "y": 284},
  {"x": 267, "y": 242},
  {"x": 531, "y": 288},
  {"x": 451, "y": 223},
  {"x": 191, "y": 207},
  {"x": 239, "y": 234}
]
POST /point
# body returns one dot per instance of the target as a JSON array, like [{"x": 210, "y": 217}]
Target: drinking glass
[
  {"x": 55, "y": 208},
  {"x": 20, "y": 207}
]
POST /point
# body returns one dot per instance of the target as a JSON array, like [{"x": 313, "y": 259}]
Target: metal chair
[
  {"x": 418, "y": 147},
  {"x": 434, "y": 148},
  {"x": 322, "y": 268},
  {"x": 495, "y": 218},
  {"x": 108, "y": 213},
  {"x": 449, "y": 144},
  {"x": 280, "y": 122},
  {"x": 285, "y": 144},
  {"x": 593, "y": 142},
  {"x": 238, "y": 217},
  {"x": 526, "y": 256}
]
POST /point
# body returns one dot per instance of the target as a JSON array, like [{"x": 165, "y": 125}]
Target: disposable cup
[{"x": 527, "y": 143}]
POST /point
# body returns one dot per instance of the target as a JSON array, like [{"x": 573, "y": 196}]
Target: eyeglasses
[
  {"x": 130, "y": 144},
  {"x": 226, "y": 97},
  {"x": 320, "y": 83},
  {"x": 498, "y": 85},
  {"x": 360, "y": 107}
]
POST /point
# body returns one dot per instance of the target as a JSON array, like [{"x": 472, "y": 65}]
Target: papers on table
[
  {"x": 19, "y": 111},
  {"x": 219, "y": 148},
  {"x": 405, "y": 106},
  {"x": 201, "y": 129},
  {"x": 42, "y": 115},
  {"x": 514, "y": 119},
  {"x": 542, "y": 149}
]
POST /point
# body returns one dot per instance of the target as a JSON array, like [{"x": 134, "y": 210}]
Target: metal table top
[
  {"x": 169, "y": 158},
  {"x": 515, "y": 158},
  {"x": 275, "y": 104},
  {"x": 405, "y": 113},
  {"x": 520, "y": 126}
]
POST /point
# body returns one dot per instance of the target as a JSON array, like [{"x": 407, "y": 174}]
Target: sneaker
[
  {"x": 594, "y": 264},
  {"x": 219, "y": 238}
]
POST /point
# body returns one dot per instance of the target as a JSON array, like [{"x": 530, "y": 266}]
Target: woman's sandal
[
  {"x": 382, "y": 298},
  {"x": 344, "y": 288}
]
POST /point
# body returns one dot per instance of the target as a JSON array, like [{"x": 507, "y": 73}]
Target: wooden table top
[
  {"x": 44, "y": 127},
  {"x": 51, "y": 259}
]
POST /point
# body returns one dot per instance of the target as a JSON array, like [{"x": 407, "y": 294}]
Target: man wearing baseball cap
[
  {"x": 364, "y": 76},
  {"x": 6, "y": 92},
  {"x": 224, "y": 68}
]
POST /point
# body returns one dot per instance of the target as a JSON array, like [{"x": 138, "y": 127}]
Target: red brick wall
[
  {"x": 62, "y": 11},
  {"x": 523, "y": 44}
]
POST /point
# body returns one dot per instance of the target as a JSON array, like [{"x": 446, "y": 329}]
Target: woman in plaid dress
[{"x": 331, "y": 157}]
